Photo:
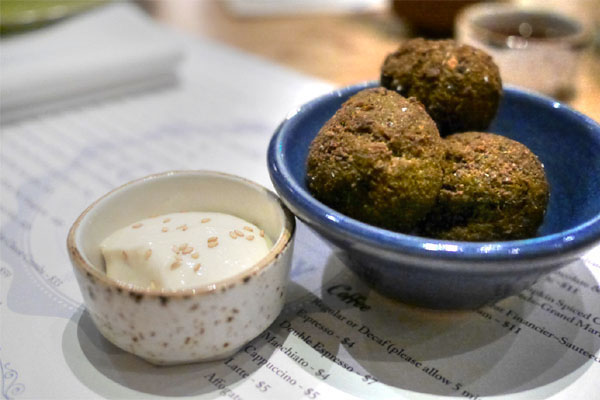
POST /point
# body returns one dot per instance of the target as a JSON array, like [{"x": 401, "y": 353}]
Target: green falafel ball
[
  {"x": 494, "y": 188},
  {"x": 378, "y": 160},
  {"x": 459, "y": 85}
]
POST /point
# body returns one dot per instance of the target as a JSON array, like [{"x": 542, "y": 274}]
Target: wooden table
[{"x": 342, "y": 49}]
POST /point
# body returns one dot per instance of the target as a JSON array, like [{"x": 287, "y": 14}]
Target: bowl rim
[
  {"x": 279, "y": 246},
  {"x": 315, "y": 213}
]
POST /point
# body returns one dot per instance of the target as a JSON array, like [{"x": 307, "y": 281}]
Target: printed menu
[{"x": 336, "y": 338}]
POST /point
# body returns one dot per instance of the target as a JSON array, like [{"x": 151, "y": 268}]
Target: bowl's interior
[
  {"x": 178, "y": 192},
  {"x": 567, "y": 143}
]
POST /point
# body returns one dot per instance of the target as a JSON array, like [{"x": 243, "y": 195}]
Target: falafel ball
[
  {"x": 459, "y": 85},
  {"x": 378, "y": 160},
  {"x": 494, "y": 188}
]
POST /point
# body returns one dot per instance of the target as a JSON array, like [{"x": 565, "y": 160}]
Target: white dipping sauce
[{"x": 183, "y": 250}]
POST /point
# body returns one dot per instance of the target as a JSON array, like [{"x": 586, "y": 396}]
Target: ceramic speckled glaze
[
  {"x": 453, "y": 274},
  {"x": 187, "y": 325}
]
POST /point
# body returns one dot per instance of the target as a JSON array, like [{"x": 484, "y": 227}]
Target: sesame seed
[
  {"x": 164, "y": 229},
  {"x": 148, "y": 254},
  {"x": 197, "y": 267},
  {"x": 205, "y": 220},
  {"x": 124, "y": 254},
  {"x": 135, "y": 226},
  {"x": 261, "y": 233},
  {"x": 213, "y": 239},
  {"x": 239, "y": 233},
  {"x": 233, "y": 235},
  {"x": 182, "y": 227},
  {"x": 213, "y": 244},
  {"x": 195, "y": 255},
  {"x": 175, "y": 265},
  {"x": 249, "y": 229},
  {"x": 166, "y": 220},
  {"x": 183, "y": 246},
  {"x": 250, "y": 237},
  {"x": 452, "y": 62},
  {"x": 187, "y": 250}
]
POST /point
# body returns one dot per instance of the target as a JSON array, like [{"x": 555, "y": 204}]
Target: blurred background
[{"x": 345, "y": 41}]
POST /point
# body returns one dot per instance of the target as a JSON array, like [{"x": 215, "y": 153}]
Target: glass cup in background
[{"x": 534, "y": 48}]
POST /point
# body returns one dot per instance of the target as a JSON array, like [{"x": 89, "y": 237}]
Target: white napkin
[{"x": 110, "y": 51}]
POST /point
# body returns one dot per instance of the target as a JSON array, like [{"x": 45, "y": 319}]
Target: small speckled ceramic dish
[
  {"x": 187, "y": 325},
  {"x": 453, "y": 274}
]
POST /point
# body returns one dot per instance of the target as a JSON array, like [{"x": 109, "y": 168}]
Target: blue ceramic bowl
[{"x": 453, "y": 274}]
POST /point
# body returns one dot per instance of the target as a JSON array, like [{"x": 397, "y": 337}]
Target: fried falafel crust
[
  {"x": 459, "y": 85},
  {"x": 494, "y": 188},
  {"x": 378, "y": 159}
]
